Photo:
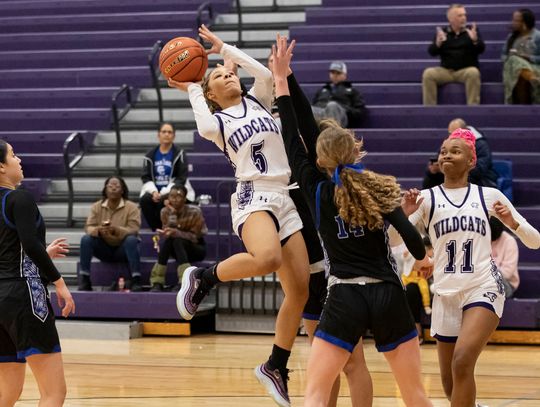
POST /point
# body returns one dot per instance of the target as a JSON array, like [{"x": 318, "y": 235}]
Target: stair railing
[
  {"x": 117, "y": 116},
  {"x": 206, "y": 6},
  {"x": 154, "y": 73},
  {"x": 69, "y": 166}
]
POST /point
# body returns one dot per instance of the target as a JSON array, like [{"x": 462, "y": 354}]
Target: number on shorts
[
  {"x": 467, "y": 266},
  {"x": 258, "y": 157},
  {"x": 357, "y": 231}
]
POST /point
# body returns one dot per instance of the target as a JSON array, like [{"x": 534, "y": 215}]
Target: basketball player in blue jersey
[
  {"x": 358, "y": 376},
  {"x": 27, "y": 328},
  {"x": 263, "y": 214},
  {"x": 365, "y": 291},
  {"x": 469, "y": 294}
]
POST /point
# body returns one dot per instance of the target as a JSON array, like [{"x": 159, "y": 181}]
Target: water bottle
[{"x": 121, "y": 284}]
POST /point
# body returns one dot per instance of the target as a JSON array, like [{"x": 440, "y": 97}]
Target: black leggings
[{"x": 184, "y": 251}]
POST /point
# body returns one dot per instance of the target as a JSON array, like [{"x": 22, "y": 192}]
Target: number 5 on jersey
[{"x": 259, "y": 160}]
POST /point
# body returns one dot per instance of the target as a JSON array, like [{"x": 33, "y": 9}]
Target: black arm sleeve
[
  {"x": 308, "y": 125},
  {"x": 24, "y": 214},
  {"x": 304, "y": 172},
  {"x": 408, "y": 232}
]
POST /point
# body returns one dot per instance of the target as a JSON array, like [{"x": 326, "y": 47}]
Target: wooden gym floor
[{"x": 216, "y": 370}]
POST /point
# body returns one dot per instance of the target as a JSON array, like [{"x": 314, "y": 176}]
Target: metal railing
[
  {"x": 69, "y": 165},
  {"x": 154, "y": 72},
  {"x": 206, "y": 6},
  {"x": 117, "y": 116},
  {"x": 240, "y": 42},
  {"x": 245, "y": 290}
]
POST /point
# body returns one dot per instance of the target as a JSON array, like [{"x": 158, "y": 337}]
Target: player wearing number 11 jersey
[
  {"x": 469, "y": 295},
  {"x": 263, "y": 213}
]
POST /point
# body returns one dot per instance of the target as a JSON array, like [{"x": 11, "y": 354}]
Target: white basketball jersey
[
  {"x": 253, "y": 144},
  {"x": 461, "y": 239}
]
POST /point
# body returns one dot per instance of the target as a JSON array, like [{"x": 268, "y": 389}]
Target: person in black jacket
[
  {"x": 458, "y": 46},
  {"x": 338, "y": 100},
  {"x": 27, "y": 323},
  {"x": 350, "y": 211},
  {"x": 163, "y": 166}
]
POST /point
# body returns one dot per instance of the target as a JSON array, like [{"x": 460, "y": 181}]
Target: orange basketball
[{"x": 183, "y": 59}]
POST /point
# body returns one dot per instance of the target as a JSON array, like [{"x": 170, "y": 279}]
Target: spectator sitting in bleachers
[
  {"x": 521, "y": 56},
  {"x": 164, "y": 166},
  {"x": 112, "y": 229},
  {"x": 482, "y": 174},
  {"x": 458, "y": 46},
  {"x": 339, "y": 100},
  {"x": 505, "y": 253},
  {"x": 181, "y": 237}
]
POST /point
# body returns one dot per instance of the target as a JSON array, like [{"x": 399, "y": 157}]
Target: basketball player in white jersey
[
  {"x": 469, "y": 294},
  {"x": 263, "y": 213}
]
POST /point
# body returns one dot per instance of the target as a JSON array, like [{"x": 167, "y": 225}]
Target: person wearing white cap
[{"x": 338, "y": 100}]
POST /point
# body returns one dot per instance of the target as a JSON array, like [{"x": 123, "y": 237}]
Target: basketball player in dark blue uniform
[
  {"x": 365, "y": 292},
  {"x": 27, "y": 330},
  {"x": 360, "y": 385}
]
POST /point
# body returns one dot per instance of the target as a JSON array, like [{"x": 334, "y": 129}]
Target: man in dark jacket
[
  {"x": 163, "y": 166},
  {"x": 458, "y": 45},
  {"x": 338, "y": 100}
]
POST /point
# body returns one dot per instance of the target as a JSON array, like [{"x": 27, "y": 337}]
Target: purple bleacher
[
  {"x": 115, "y": 305},
  {"x": 494, "y": 31},
  {"x": 55, "y": 119},
  {"x": 421, "y": 139},
  {"x": 526, "y": 192},
  {"x": 521, "y": 313},
  {"x": 74, "y": 58},
  {"x": 411, "y": 93},
  {"x": 36, "y": 141},
  {"x": 408, "y": 13},
  {"x": 94, "y": 22},
  {"x": 42, "y": 8},
  {"x": 414, "y": 163},
  {"x": 387, "y": 70},
  {"x": 209, "y": 164},
  {"x": 40, "y": 164},
  {"x": 104, "y": 274},
  {"x": 74, "y": 77},
  {"x": 377, "y": 50},
  {"x": 89, "y": 39},
  {"x": 529, "y": 286},
  {"x": 435, "y": 116},
  {"x": 36, "y": 186},
  {"x": 353, "y": 3},
  {"x": 55, "y": 97}
]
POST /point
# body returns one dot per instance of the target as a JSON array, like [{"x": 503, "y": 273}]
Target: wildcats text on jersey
[
  {"x": 255, "y": 126},
  {"x": 460, "y": 223}
]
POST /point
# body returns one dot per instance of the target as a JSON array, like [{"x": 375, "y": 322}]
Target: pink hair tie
[{"x": 468, "y": 137}]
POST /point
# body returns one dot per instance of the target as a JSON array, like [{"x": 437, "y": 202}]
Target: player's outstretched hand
[
  {"x": 212, "y": 38},
  {"x": 505, "y": 215},
  {"x": 411, "y": 201},
  {"x": 65, "y": 300},
  {"x": 58, "y": 248},
  {"x": 282, "y": 55},
  {"x": 183, "y": 86}
]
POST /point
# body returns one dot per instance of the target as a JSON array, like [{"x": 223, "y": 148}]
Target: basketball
[{"x": 183, "y": 59}]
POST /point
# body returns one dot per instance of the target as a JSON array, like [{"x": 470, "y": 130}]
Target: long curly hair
[{"x": 364, "y": 197}]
